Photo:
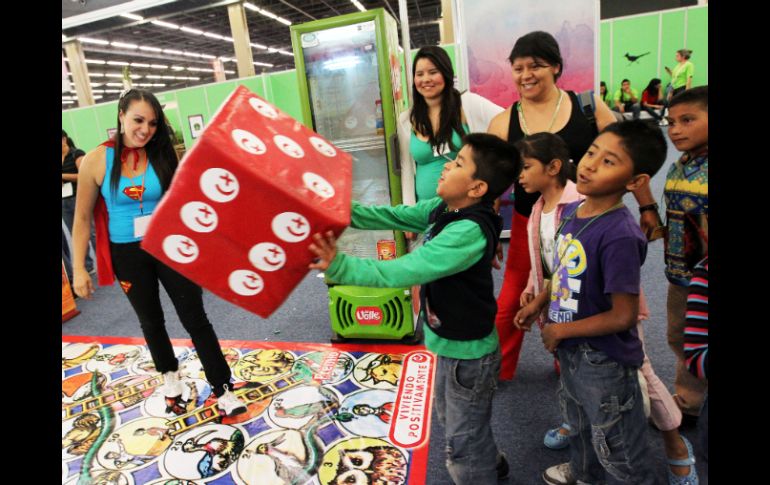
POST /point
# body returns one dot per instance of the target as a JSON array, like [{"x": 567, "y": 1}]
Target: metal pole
[
  {"x": 460, "y": 46},
  {"x": 406, "y": 45}
]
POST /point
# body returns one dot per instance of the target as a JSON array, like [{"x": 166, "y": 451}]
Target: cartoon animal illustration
[
  {"x": 265, "y": 363},
  {"x": 85, "y": 430},
  {"x": 383, "y": 412},
  {"x": 384, "y": 368},
  {"x": 122, "y": 458},
  {"x": 288, "y": 466},
  {"x": 220, "y": 453},
  {"x": 373, "y": 465}
]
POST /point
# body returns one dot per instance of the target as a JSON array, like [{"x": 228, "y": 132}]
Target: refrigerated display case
[{"x": 349, "y": 77}]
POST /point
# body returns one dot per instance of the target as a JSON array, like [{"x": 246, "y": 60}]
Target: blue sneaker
[{"x": 555, "y": 440}]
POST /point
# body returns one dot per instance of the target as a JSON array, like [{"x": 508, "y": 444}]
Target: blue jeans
[
  {"x": 463, "y": 405},
  {"x": 602, "y": 402}
]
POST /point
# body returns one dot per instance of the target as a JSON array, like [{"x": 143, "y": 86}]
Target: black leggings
[{"x": 139, "y": 273}]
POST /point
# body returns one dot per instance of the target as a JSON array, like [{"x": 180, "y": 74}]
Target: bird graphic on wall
[{"x": 632, "y": 59}]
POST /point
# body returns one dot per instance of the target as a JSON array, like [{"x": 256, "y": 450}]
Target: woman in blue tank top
[{"x": 122, "y": 181}]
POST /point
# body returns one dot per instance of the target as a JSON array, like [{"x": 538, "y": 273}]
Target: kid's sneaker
[
  {"x": 229, "y": 405},
  {"x": 172, "y": 387}
]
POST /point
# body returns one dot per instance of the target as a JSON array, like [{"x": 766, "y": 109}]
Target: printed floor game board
[{"x": 317, "y": 414}]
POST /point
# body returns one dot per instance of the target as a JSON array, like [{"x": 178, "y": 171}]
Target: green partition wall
[
  {"x": 661, "y": 34},
  {"x": 88, "y": 126}
]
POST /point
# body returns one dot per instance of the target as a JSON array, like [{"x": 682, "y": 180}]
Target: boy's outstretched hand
[{"x": 325, "y": 248}]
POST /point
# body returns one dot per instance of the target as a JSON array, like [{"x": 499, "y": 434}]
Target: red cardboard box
[{"x": 244, "y": 202}]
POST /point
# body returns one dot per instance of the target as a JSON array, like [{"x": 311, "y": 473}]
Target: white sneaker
[
  {"x": 559, "y": 475},
  {"x": 229, "y": 405},
  {"x": 172, "y": 387}
]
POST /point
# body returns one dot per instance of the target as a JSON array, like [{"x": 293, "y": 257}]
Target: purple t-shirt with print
[{"x": 605, "y": 258}]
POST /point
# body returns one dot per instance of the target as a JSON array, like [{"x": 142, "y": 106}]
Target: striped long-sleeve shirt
[{"x": 696, "y": 333}]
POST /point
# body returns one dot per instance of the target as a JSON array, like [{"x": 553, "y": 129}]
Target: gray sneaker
[{"x": 559, "y": 475}]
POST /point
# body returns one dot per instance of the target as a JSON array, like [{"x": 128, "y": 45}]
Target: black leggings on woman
[{"x": 138, "y": 273}]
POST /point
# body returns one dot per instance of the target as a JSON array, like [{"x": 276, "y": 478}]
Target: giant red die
[{"x": 244, "y": 202}]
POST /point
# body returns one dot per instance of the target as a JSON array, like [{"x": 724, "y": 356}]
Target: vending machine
[{"x": 349, "y": 77}]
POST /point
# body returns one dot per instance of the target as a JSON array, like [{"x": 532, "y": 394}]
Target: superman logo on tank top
[{"x": 134, "y": 191}]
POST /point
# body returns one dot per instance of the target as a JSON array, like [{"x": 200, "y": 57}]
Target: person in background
[
  {"x": 696, "y": 347},
  {"x": 121, "y": 182},
  {"x": 652, "y": 99},
  {"x": 430, "y": 132},
  {"x": 71, "y": 157},
  {"x": 627, "y": 99},
  {"x": 604, "y": 94},
  {"x": 681, "y": 75}
]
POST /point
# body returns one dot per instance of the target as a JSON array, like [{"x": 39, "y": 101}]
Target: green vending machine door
[{"x": 345, "y": 67}]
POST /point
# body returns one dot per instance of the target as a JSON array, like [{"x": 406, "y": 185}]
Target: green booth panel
[{"x": 697, "y": 41}]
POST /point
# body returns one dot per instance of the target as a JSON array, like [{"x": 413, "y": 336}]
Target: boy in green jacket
[{"x": 454, "y": 267}]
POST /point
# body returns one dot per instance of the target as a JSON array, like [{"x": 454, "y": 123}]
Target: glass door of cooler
[{"x": 346, "y": 108}]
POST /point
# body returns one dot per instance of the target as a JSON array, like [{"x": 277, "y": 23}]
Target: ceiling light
[
  {"x": 213, "y": 36},
  {"x": 165, "y": 24},
  {"x": 158, "y": 66},
  {"x": 259, "y": 46},
  {"x": 358, "y": 5},
  {"x": 119, "y": 85},
  {"x": 132, "y": 16},
  {"x": 150, "y": 49},
  {"x": 266, "y": 13},
  {"x": 95, "y": 74},
  {"x": 172, "y": 51},
  {"x": 93, "y": 61},
  {"x": 263, "y": 64},
  {"x": 139, "y": 64},
  {"x": 117, "y": 63},
  {"x": 177, "y": 68},
  {"x": 124, "y": 45},
  {"x": 191, "y": 31},
  {"x": 112, "y": 90},
  {"x": 206, "y": 56},
  {"x": 67, "y": 102},
  {"x": 286, "y": 53},
  {"x": 88, "y": 40}
]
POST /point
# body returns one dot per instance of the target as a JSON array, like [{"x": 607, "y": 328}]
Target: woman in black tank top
[{"x": 536, "y": 64}]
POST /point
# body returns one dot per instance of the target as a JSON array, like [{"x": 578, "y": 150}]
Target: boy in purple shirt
[{"x": 592, "y": 307}]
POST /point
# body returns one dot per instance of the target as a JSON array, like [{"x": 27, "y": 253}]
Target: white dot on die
[
  {"x": 219, "y": 185},
  {"x": 180, "y": 249},
  {"x": 199, "y": 216},
  {"x": 249, "y": 142},
  {"x": 290, "y": 227},
  {"x": 245, "y": 282},
  {"x": 263, "y": 108},
  {"x": 322, "y": 146},
  {"x": 288, "y": 146},
  {"x": 267, "y": 256},
  {"x": 319, "y": 185}
]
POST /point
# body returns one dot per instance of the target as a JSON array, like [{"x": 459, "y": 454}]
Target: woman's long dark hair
[
  {"x": 652, "y": 88},
  {"x": 450, "y": 118},
  {"x": 70, "y": 143},
  {"x": 160, "y": 152}
]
